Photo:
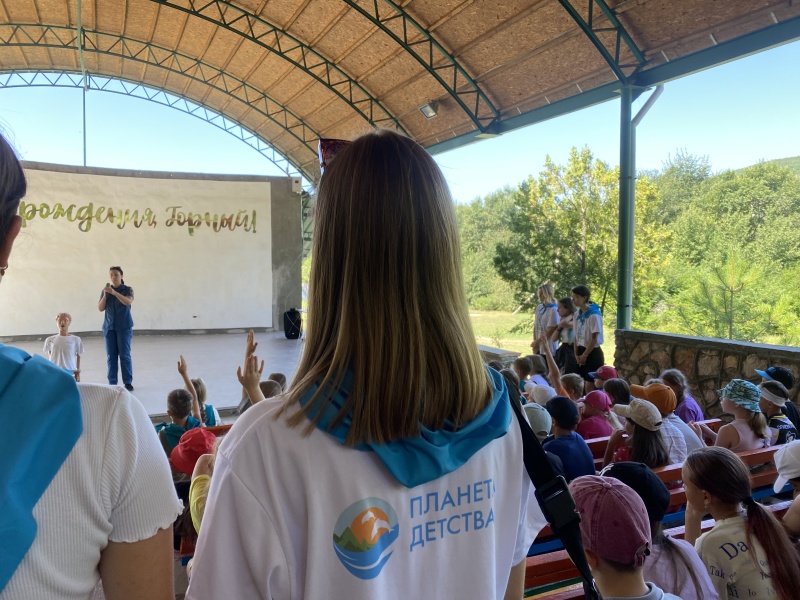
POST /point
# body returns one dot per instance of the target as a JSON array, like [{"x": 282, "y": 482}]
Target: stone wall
[{"x": 708, "y": 363}]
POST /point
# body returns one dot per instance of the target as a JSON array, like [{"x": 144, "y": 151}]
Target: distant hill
[{"x": 792, "y": 163}]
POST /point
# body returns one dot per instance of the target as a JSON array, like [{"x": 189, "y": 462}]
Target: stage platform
[{"x": 213, "y": 357}]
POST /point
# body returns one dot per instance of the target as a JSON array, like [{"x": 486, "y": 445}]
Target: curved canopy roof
[{"x": 294, "y": 70}]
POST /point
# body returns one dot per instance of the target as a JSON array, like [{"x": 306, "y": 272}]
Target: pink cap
[
  {"x": 614, "y": 521},
  {"x": 599, "y": 399}
]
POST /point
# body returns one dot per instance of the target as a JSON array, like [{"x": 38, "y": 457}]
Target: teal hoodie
[{"x": 432, "y": 454}]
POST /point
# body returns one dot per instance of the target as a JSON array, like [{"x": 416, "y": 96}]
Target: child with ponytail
[{"x": 748, "y": 554}]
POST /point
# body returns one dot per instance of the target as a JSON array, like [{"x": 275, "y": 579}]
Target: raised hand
[
  {"x": 251, "y": 345},
  {"x": 251, "y": 376},
  {"x": 183, "y": 369}
]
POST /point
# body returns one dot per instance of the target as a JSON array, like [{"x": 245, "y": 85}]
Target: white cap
[
  {"x": 787, "y": 461},
  {"x": 540, "y": 420},
  {"x": 542, "y": 393},
  {"x": 641, "y": 412}
]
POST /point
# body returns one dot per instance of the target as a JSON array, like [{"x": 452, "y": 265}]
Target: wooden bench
[
  {"x": 548, "y": 569},
  {"x": 219, "y": 430}
]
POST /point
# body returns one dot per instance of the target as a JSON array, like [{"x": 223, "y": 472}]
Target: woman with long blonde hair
[{"x": 394, "y": 457}]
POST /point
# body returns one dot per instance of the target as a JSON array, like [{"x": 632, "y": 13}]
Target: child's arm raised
[
  {"x": 249, "y": 349},
  {"x": 552, "y": 367},
  {"x": 184, "y": 371},
  {"x": 251, "y": 378}
]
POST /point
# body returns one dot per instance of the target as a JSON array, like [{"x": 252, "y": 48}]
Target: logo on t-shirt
[{"x": 363, "y": 534}]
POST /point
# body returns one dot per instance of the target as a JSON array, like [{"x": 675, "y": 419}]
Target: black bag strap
[{"x": 556, "y": 502}]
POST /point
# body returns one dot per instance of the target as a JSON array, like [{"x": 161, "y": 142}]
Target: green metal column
[{"x": 627, "y": 200}]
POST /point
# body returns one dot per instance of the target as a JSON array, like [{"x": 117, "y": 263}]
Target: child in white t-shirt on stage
[{"x": 64, "y": 349}]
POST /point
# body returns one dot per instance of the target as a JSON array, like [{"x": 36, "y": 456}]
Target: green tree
[
  {"x": 565, "y": 230},
  {"x": 728, "y": 300},
  {"x": 483, "y": 223},
  {"x": 735, "y": 256},
  {"x": 679, "y": 181}
]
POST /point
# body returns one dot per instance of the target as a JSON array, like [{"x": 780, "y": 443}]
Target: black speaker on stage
[{"x": 292, "y": 324}]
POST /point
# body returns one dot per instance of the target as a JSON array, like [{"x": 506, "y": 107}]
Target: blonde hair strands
[{"x": 386, "y": 299}]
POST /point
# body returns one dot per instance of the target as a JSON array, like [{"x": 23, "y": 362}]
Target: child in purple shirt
[{"x": 688, "y": 410}]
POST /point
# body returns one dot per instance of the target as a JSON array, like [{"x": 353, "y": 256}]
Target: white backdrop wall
[{"x": 184, "y": 278}]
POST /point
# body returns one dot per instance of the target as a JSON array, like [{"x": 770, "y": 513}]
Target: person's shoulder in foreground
[{"x": 113, "y": 488}]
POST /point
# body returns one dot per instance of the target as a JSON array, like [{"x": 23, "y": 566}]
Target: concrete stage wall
[{"x": 187, "y": 272}]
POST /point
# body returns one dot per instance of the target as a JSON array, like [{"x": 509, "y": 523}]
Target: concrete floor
[{"x": 213, "y": 357}]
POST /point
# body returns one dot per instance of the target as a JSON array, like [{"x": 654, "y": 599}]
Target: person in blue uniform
[{"x": 115, "y": 300}]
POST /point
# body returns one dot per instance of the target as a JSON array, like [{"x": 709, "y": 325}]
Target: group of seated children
[
  {"x": 656, "y": 423},
  {"x": 748, "y": 553}
]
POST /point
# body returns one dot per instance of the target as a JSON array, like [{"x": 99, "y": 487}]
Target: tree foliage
[
  {"x": 565, "y": 230},
  {"x": 714, "y": 255}
]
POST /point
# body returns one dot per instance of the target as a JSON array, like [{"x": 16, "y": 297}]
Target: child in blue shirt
[{"x": 566, "y": 444}]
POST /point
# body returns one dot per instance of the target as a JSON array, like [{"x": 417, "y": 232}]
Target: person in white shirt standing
[
  {"x": 358, "y": 483},
  {"x": 546, "y": 319},
  {"x": 64, "y": 349}
]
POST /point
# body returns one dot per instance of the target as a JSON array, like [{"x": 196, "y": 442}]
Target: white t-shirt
[
  {"x": 584, "y": 330},
  {"x": 545, "y": 317},
  {"x": 63, "y": 350},
  {"x": 727, "y": 557},
  {"x": 292, "y": 517},
  {"x": 115, "y": 485}
]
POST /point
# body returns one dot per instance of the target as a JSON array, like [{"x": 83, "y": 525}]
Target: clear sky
[{"x": 736, "y": 114}]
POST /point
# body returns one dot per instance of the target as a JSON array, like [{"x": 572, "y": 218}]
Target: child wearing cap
[
  {"x": 595, "y": 419},
  {"x": 747, "y": 553},
  {"x": 602, "y": 375},
  {"x": 644, "y": 443},
  {"x": 673, "y": 564},
  {"x": 748, "y": 430},
  {"x": 542, "y": 423},
  {"x": 566, "y": 444},
  {"x": 616, "y": 537},
  {"x": 678, "y": 436},
  {"x": 787, "y": 461},
  {"x": 773, "y": 399}
]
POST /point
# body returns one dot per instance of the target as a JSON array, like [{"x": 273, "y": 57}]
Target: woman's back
[
  {"x": 362, "y": 482},
  {"x": 308, "y": 517}
]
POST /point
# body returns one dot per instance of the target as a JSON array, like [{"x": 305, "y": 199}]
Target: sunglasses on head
[{"x": 328, "y": 149}]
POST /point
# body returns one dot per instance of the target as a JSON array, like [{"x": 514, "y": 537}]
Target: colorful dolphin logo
[{"x": 363, "y": 535}]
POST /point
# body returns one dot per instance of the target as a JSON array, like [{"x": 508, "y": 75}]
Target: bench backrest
[{"x": 219, "y": 430}]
